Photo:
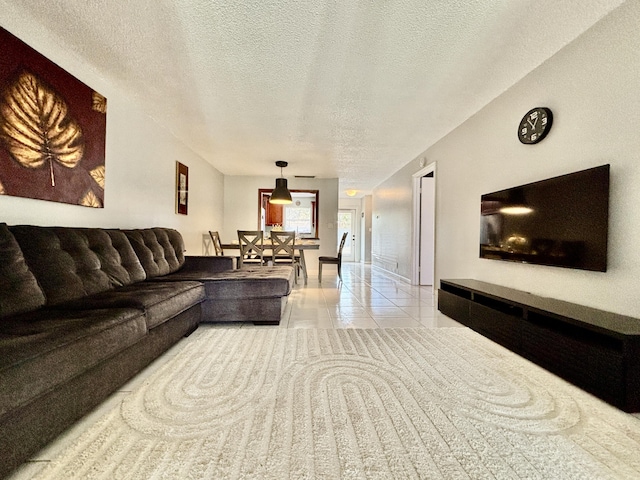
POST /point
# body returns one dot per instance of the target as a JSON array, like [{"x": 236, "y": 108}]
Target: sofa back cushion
[
  {"x": 19, "y": 290},
  {"x": 70, "y": 263},
  {"x": 125, "y": 266},
  {"x": 160, "y": 250}
]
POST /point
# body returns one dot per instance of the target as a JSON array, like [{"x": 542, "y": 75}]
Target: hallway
[{"x": 368, "y": 298}]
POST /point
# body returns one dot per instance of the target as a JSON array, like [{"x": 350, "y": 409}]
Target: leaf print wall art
[
  {"x": 52, "y": 130},
  {"x": 36, "y": 126}
]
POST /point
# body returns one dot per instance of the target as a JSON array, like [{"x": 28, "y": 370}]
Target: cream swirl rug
[{"x": 257, "y": 403}]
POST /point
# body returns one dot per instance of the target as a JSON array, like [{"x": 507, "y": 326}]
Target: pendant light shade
[{"x": 281, "y": 194}]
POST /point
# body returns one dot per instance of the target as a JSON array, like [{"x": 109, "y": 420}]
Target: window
[
  {"x": 300, "y": 216},
  {"x": 298, "y": 219}
]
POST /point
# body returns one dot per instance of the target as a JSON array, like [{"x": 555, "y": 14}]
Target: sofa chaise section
[
  {"x": 257, "y": 294},
  {"x": 250, "y": 294}
]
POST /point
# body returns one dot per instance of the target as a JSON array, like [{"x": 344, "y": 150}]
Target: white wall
[
  {"x": 241, "y": 209},
  {"x": 140, "y": 161},
  {"x": 592, "y": 88},
  {"x": 392, "y": 217}
]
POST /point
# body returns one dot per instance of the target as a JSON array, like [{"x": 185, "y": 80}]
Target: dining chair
[
  {"x": 283, "y": 246},
  {"x": 337, "y": 260},
  {"x": 217, "y": 244},
  {"x": 251, "y": 244}
]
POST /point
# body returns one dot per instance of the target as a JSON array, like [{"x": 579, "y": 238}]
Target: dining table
[{"x": 300, "y": 245}]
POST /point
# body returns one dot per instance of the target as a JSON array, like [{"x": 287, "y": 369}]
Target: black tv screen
[{"x": 561, "y": 221}]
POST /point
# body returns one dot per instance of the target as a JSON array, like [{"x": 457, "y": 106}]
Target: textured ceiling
[{"x": 338, "y": 88}]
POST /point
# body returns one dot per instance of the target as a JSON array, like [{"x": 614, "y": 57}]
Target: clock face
[{"x": 535, "y": 125}]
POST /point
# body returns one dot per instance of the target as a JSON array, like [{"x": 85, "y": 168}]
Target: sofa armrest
[{"x": 207, "y": 264}]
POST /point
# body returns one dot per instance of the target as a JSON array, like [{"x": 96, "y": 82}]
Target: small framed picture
[{"x": 182, "y": 188}]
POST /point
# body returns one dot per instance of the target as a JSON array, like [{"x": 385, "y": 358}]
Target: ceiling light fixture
[
  {"x": 351, "y": 192},
  {"x": 281, "y": 194}
]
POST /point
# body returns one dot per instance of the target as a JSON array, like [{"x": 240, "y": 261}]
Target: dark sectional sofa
[{"x": 82, "y": 310}]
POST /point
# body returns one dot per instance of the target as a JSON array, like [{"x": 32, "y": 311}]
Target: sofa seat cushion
[
  {"x": 160, "y": 301},
  {"x": 42, "y": 349},
  {"x": 248, "y": 283}
]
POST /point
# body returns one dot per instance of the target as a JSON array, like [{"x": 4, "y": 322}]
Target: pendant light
[{"x": 281, "y": 194}]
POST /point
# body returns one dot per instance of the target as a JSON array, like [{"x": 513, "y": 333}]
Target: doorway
[
  {"x": 347, "y": 223},
  {"x": 427, "y": 228},
  {"x": 424, "y": 212}
]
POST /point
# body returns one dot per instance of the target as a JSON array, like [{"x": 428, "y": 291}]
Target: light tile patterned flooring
[{"x": 366, "y": 298}]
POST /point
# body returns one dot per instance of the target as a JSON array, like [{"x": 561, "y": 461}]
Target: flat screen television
[{"x": 561, "y": 221}]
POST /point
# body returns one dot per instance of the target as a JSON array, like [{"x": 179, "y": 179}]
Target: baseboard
[{"x": 392, "y": 274}]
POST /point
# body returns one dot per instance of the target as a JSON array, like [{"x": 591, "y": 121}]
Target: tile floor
[{"x": 367, "y": 298}]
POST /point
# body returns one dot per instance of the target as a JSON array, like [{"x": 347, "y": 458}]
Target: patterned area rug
[{"x": 253, "y": 403}]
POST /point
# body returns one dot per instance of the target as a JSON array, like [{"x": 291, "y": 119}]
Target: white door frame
[{"x": 415, "y": 230}]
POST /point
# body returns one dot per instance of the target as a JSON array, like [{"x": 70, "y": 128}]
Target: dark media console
[{"x": 595, "y": 350}]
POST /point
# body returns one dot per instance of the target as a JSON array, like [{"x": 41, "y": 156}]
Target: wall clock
[{"x": 535, "y": 125}]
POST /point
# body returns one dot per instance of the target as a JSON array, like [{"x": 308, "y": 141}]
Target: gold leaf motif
[
  {"x": 99, "y": 103},
  {"x": 90, "y": 200},
  {"x": 98, "y": 175},
  {"x": 37, "y": 128}
]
